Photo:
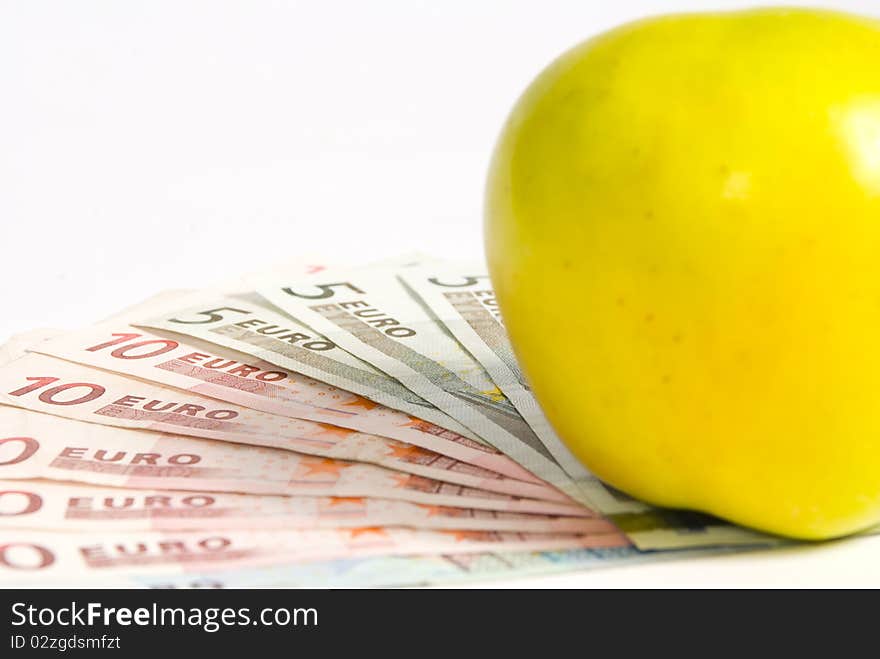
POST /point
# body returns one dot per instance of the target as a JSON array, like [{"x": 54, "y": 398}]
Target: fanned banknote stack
[{"x": 309, "y": 426}]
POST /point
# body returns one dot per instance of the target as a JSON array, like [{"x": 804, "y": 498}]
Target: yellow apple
[{"x": 683, "y": 231}]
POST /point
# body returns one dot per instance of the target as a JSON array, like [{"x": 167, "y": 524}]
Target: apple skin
[{"x": 682, "y": 226}]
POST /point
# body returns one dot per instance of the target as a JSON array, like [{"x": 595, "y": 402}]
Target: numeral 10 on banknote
[
  {"x": 94, "y": 391},
  {"x": 167, "y": 345}
]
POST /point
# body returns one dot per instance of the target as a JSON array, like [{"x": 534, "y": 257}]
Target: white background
[{"x": 148, "y": 145}]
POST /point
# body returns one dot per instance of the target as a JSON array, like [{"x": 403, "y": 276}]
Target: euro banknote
[
  {"x": 246, "y": 323},
  {"x": 443, "y": 570},
  {"x": 54, "y": 386},
  {"x": 205, "y": 369},
  {"x": 383, "y": 571},
  {"x": 462, "y": 299},
  {"x": 37, "y": 445},
  {"x": 74, "y": 507},
  {"x": 51, "y": 557},
  {"x": 371, "y": 314}
]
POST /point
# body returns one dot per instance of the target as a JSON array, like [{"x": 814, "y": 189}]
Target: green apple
[{"x": 683, "y": 230}]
